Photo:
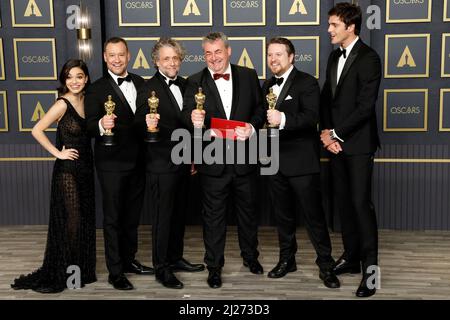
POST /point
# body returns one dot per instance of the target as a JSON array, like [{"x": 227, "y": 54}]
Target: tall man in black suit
[
  {"x": 297, "y": 115},
  {"x": 168, "y": 182},
  {"x": 232, "y": 92},
  {"x": 119, "y": 167},
  {"x": 350, "y": 134}
]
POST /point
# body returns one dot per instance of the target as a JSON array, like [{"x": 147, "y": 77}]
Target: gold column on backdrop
[{"x": 84, "y": 33}]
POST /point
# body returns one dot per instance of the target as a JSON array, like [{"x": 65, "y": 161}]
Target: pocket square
[{"x": 288, "y": 98}]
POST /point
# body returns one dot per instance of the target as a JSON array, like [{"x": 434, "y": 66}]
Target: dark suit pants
[
  {"x": 216, "y": 193},
  {"x": 284, "y": 191},
  {"x": 122, "y": 194},
  {"x": 352, "y": 185},
  {"x": 169, "y": 203}
]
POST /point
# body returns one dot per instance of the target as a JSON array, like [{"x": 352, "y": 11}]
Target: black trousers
[
  {"x": 352, "y": 185},
  {"x": 216, "y": 193},
  {"x": 122, "y": 197},
  {"x": 284, "y": 191},
  {"x": 169, "y": 204}
]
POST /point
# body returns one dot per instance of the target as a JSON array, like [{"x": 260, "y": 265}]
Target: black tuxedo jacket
[
  {"x": 299, "y": 140},
  {"x": 349, "y": 106},
  {"x": 127, "y": 153},
  {"x": 247, "y": 106},
  {"x": 158, "y": 154}
]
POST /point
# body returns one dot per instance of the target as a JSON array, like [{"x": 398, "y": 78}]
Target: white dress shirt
[
  {"x": 129, "y": 91},
  {"x": 176, "y": 91},
  {"x": 277, "y": 90},
  {"x": 341, "y": 64},
  {"x": 342, "y": 60},
  {"x": 225, "y": 88}
]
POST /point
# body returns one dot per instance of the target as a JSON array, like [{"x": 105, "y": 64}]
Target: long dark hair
[{"x": 72, "y": 63}]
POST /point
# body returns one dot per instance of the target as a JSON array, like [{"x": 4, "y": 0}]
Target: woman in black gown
[{"x": 71, "y": 230}]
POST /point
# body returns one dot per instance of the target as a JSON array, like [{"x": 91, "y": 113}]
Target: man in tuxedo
[
  {"x": 119, "y": 167},
  {"x": 167, "y": 181},
  {"x": 297, "y": 114},
  {"x": 232, "y": 92},
  {"x": 350, "y": 133}
]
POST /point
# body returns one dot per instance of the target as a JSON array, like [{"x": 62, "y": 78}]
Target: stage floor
[{"x": 414, "y": 265}]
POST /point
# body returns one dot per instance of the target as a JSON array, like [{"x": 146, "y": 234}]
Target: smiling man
[
  {"x": 298, "y": 179},
  {"x": 167, "y": 181},
  {"x": 232, "y": 93},
  {"x": 120, "y": 167},
  {"x": 350, "y": 134}
]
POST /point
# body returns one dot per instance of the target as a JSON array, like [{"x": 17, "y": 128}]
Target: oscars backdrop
[{"x": 411, "y": 176}]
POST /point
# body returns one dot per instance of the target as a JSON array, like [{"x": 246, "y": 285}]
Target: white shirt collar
[
  {"x": 166, "y": 78},
  {"x": 115, "y": 76},
  {"x": 350, "y": 46},
  {"x": 227, "y": 70}
]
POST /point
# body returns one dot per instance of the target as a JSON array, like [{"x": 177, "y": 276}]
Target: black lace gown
[{"x": 71, "y": 230}]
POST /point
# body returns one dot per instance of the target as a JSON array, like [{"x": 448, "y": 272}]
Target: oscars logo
[
  {"x": 32, "y": 9},
  {"x": 298, "y": 7},
  {"x": 141, "y": 61},
  {"x": 38, "y": 113},
  {"x": 245, "y": 61},
  {"x": 191, "y": 8},
  {"x": 406, "y": 59}
]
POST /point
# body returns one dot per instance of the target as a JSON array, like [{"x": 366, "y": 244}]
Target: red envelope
[{"x": 223, "y": 128}]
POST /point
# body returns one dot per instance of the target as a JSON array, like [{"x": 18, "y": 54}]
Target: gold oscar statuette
[
  {"x": 153, "y": 103},
  {"x": 200, "y": 101},
  {"x": 108, "y": 136},
  {"x": 272, "y": 102}
]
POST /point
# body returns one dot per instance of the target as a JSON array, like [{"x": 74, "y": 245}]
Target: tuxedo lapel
[
  {"x": 333, "y": 72},
  {"x": 169, "y": 93},
  {"x": 120, "y": 94},
  {"x": 235, "y": 79},
  {"x": 348, "y": 63},
  {"x": 216, "y": 101},
  {"x": 286, "y": 87}
]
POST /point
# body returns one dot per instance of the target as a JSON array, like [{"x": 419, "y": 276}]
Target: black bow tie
[
  {"x": 121, "y": 80},
  {"x": 275, "y": 80},
  {"x": 175, "y": 82},
  {"x": 342, "y": 52}
]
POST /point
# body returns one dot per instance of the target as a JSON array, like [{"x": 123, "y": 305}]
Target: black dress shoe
[
  {"x": 184, "y": 265},
  {"x": 120, "y": 282},
  {"x": 282, "y": 268},
  {"x": 214, "y": 278},
  {"x": 136, "y": 267},
  {"x": 364, "y": 291},
  {"x": 168, "y": 279},
  {"x": 42, "y": 289},
  {"x": 345, "y": 266},
  {"x": 254, "y": 266},
  {"x": 329, "y": 279}
]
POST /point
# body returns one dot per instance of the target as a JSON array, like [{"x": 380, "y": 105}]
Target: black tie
[
  {"x": 277, "y": 81},
  {"x": 121, "y": 80},
  {"x": 175, "y": 82},
  {"x": 343, "y": 52}
]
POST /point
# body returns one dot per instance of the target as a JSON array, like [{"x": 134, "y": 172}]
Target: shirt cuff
[
  {"x": 334, "y": 135},
  {"x": 100, "y": 128},
  {"x": 283, "y": 121},
  {"x": 253, "y": 130}
]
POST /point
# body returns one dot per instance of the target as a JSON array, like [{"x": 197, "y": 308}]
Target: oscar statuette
[
  {"x": 108, "y": 136},
  {"x": 200, "y": 101},
  {"x": 152, "y": 132},
  {"x": 272, "y": 130}
]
